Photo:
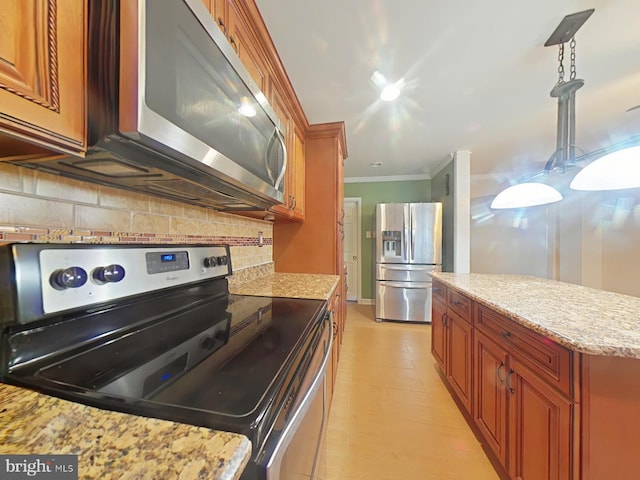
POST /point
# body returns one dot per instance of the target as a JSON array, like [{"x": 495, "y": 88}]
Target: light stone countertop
[
  {"x": 581, "y": 318},
  {"x": 292, "y": 285},
  {"x": 113, "y": 445}
]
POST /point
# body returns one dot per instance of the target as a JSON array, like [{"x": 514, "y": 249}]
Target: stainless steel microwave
[{"x": 173, "y": 112}]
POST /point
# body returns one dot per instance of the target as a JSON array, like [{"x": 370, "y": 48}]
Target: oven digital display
[{"x": 164, "y": 262}]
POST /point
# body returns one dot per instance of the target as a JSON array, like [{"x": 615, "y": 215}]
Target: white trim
[
  {"x": 366, "y": 301},
  {"x": 387, "y": 178},
  {"x": 358, "y": 204},
  {"x": 462, "y": 212}
]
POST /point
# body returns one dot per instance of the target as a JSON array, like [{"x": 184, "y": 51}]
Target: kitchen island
[{"x": 546, "y": 373}]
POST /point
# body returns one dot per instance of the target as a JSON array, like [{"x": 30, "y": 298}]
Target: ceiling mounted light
[
  {"x": 527, "y": 194},
  {"x": 390, "y": 91},
  {"x": 375, "y": 164}
]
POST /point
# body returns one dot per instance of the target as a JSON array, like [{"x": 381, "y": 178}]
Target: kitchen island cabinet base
[
  {"x": 610, "y": 418},
  {"x": 556, "y": 394},
  {"x": 495, "y": 462}
]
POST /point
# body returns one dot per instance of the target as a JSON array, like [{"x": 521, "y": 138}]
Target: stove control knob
[
  {"x": 208, "y": 343},
  {"x": 72, "y": 277},
  {"x": 210, "y": 262},
  {"x": 223, "y": 260},
  {"x": 109, "y": 274}
]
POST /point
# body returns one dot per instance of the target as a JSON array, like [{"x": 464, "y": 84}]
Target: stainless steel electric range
[{"x": 152, "y": 330}]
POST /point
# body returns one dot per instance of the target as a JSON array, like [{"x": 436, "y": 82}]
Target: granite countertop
[
  {"x": 292, "y": 285},
  {"x": 581, "y": 318},
  {"x": 114, "y": 445}
]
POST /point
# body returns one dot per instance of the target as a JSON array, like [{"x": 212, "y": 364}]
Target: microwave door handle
[
  {"x": 284, "y": 159},
  {"x": 266, "y": 154}
]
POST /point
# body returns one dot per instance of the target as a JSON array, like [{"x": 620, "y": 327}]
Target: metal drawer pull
[
  {"x": 458, "y": 303},
  {"x": 498, "y": 371},
  {"x": 509, "y": 387},
  {"x": 444, "y": 319},
  {"x": 505, "y": 334}
]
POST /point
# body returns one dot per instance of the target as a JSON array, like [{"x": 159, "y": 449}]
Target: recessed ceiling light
[
  {"x": 375, "y": 164},
  {"x": 390, "y": 91}
]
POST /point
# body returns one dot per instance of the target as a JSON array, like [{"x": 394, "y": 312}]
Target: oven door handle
[{"x": 273, "y": 466}]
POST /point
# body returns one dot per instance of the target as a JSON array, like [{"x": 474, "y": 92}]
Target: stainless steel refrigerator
[{"x": 408, "y": 247}]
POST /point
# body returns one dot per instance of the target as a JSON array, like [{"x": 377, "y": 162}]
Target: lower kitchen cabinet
[
  {"x": 490, "y": 402},
  {"x": 525, "y": 422},
  {"x": 516, "y": 384},
  {"x": 337, "y": 311},
  {"x": 439, "y": 333},
  {"x": 540, "y": 426},
  {"x": 452, "y": 347}
]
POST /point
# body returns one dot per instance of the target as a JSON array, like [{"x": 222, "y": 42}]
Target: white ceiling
[{"x": 477, "y": 77}]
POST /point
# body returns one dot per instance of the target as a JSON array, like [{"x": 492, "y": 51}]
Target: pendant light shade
[
  {"x": 526, "y": 195},
  {"x": 614, "y": 171}
]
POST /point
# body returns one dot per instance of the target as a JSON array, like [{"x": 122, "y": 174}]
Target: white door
[{"x": 352, "y": 246}]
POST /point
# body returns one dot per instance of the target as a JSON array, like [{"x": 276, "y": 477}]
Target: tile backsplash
[{"x": 41, "y": 207}]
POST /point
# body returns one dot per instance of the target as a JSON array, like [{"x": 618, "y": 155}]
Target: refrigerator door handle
[
  {"x": 408, "y": 286},
  {"x": 404, "y": 239},
  {"x": 412, "y": 217},
  {"x": 404, "y": 267}
]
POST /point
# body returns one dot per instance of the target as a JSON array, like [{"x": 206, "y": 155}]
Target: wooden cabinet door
[
  {"x": 247, "y": 47},
  {"x": 277, "y": 102},
  {"x": 490, "y": 398},
  {"x": 42, "y": 72},
  {"x": 219, "y": 10},
  {"x": 296, "y": 175},
  {"x": 439, "y": 333},
  {"x": 540, "y": 424},
  {"x": 459, "y": 357}
]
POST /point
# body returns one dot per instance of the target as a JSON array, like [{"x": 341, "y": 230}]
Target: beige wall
[
  {"x": 598, "y": 241},
  {"x": 36, "y": 206}
]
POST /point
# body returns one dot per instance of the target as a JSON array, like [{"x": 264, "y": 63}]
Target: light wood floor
[{"x": 391, "y": 416}]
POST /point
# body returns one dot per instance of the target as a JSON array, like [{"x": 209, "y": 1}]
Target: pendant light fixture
[
  {"x": 614, "y": 171},
  {"x": 617, "y": 169}
]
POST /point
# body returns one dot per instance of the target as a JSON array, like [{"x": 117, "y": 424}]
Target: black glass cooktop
[{"x": 224, "y": 362}]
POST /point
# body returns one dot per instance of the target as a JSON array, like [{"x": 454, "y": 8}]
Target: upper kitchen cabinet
[
  {"x": 294, "y": 188},
  {"x": 236, "y": 26},
  {"x": 42, "y": 77},
  {"x": 219, "y": 10},
  {"x": 245, "y": 30},
  {"x": 316, "y": 246}
]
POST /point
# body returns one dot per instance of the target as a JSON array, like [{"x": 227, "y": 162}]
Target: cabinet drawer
[
  {"x": 551, "y": 361},
  {"x": 460, "y": 304},
  {"x": 439, "y": 291}
]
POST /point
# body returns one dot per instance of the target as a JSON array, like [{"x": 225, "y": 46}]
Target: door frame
[{"x": 357, "y": 201}]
